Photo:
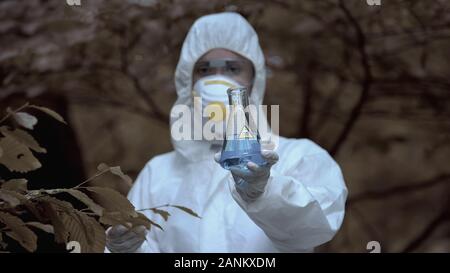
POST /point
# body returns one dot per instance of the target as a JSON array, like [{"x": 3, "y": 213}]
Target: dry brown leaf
[
  {"x": 54, "y": 209},
  {"x": 49, "y": 112},
  {"x": 10, "y": 199},
  {"x": 78, "y": 228},
  {"x": 99, "y": 237},
  {"x": 22, "y": 198},
  {"x": 86, "y": 231},
  {"x": 41, "y": 226},
  {"x": 61, "y": 205},
  {"x": 36, "y": 210},
  {"x": 79, "y": 195},
  {"x": 143, "y": 220},
  {"x": 19, "y": 185},
  {"x": 118, "y": 218},
  {"x": 102, "y": 167},
  {"x": 154, "y": 224},
  {"x": 16, "y": 156},
  {"x": 61, "y": 234},
  {"x": 116, "y": 171},
  {"x": 114, "y": 219},
  {"x": 30, "y": 206},
  {"x": 86, "y": 200},
  {"x": 163, "y": 213},
  {"x": 111, "y": 200},
  {"x": 24, "y": 138},
  {"x": 25, "y": 120},
  {"x": 187, "y": 210},
  {"x": 19, "y": 231}
]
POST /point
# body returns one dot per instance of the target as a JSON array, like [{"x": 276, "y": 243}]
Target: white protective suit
[{"x": 302, "y": 206}]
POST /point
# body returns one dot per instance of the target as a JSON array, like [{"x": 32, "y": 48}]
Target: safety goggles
[{"x": 228, "y": 67}]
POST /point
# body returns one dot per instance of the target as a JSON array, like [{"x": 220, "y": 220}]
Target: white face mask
[
  {"x": 214, "y": 100},
  {"x": 213, "y": 92}
]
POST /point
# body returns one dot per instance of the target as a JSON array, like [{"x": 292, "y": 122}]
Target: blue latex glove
[{"x": 251, "y": 183}]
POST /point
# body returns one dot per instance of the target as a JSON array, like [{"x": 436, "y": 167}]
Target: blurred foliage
[
  {"x": 21, "y": 209},
  {"x": 368, "y": 83}
]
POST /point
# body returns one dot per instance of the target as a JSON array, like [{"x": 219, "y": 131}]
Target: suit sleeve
[
  {"x": 303, "y": 206},
  {"x": 139, "y": 196}
]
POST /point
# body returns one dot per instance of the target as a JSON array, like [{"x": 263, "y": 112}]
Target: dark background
[{"x": 368, "y": 83}]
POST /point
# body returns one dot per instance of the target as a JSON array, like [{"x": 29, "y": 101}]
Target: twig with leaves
[{"x": 103, "y": 207}]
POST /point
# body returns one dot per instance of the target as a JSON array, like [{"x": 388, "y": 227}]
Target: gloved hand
[
  {"x": 251, "y": 183},
  {"x": 120, "y": 239}
]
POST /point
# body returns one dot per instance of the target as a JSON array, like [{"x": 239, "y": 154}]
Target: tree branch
[
  {"x": 427, "y": 231},
  {"x": 140, "y": 90},
  {"x": 308, "y": 84},
  {"x": 366, "y": 81},
  {"x": 373, "y": 233},
  {"x": 117, "y": 104},
  {"x": 440, "y": 179}
]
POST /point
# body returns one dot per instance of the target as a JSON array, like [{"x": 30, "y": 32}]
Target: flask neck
[{"x": 238, "y": 97}]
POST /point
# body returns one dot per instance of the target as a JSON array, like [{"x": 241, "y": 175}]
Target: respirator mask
[{"x": 211, "y": 91}]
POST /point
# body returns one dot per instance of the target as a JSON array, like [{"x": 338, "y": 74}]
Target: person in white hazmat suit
[{"x": 294, "y": 204}]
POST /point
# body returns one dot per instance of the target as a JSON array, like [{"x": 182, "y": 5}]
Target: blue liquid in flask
[{"x": 238, "y": 152}]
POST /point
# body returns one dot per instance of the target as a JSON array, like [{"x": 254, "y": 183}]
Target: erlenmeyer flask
[{"x": 242, "y": 141}]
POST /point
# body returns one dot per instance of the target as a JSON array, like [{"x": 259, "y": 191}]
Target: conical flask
[{"x": 242, "y": 142}]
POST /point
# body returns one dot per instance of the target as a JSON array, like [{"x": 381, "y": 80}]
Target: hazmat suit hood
[{"x": 227, "y": 30}]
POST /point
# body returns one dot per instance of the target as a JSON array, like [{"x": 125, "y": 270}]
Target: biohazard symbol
[{"x": 245, "y": 133}]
